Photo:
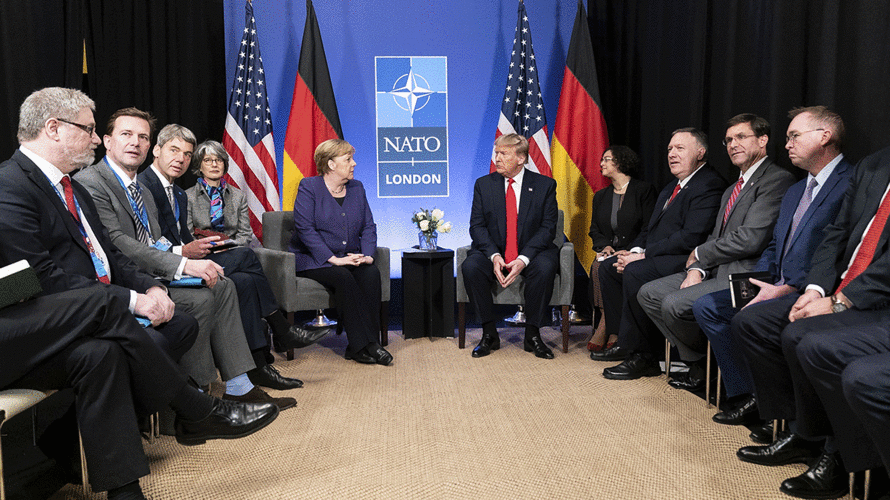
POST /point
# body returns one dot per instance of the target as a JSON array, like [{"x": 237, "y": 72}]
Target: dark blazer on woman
[
  {"x": 322, "y": 228},
  {"x": 635, "y": 211}
]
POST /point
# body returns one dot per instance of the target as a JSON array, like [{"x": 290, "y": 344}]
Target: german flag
[
  {"x": 579, "y": 140},
  {"x": 313, "y": 111}
]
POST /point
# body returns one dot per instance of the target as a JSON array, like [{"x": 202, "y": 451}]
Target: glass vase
[{"x": 428, "y": 241}]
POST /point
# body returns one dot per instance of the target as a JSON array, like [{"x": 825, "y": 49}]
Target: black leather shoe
[
  {"x": 687, "y": 381},
  {"x": 362, "y": 357},
  {"x": 537, "y": 346},
  {"x": 381, "y": 356},
  {"x": 635, "y": 366},
  {"x": 257, "y": 395},
  {"x": 298, "y": 337},
  {"x": 746, "y": 414},
  {"x": 762, "y": 434},
  {"x": 787, "y": 449},
  {"x": 825, "y": 479},
  {"x": 486, "y": 345},
  {"x": 227, "y": 420},
  {"x": 269, "y": 377},
  {"x": 613, "y": 353}
]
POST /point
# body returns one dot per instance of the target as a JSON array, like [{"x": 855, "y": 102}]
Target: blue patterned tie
[{"x": 141, "y": 231}]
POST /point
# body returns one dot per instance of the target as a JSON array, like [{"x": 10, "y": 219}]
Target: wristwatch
[{"x": 836, "y": 305}]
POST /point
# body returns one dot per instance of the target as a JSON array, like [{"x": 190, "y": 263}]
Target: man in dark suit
[
  {"x": 806, "y": 209},
  {"x": 846, "y": 294},
  {"x": 255, "y": 297},
  {"x": 743, "y": 228},
  {"x": 682, "y": 219},
  {"x": 131, "y": 219},
  {"x": 82, "y": 333},
  {"x": 513, "y": 225}
]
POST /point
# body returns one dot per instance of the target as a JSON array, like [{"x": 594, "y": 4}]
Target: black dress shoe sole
[
  {"x": 196, "y": 440},
  {"x": 481, "y": 353},
  {"x": 600, "y": 356},
  {"x": 649, "y": 372},
  {"x": 771, "y": 461},
  {"x": 686, "y": 386},
  {"x": 744, "y": 419},
  {"x": 826, "y": 494}
]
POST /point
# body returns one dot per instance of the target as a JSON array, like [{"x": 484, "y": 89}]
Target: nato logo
[{"x": 412, "y": 126}]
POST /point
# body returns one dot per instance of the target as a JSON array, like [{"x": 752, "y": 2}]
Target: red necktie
[
  {"x": 72, "y": 207},
  {"x": 673, "y": 195},
  {"x": 512, "y": 247},
  {"x": 869, "y": 244},
  {"x": 69, "y": 197},
  {"x": 732, "y": 197}
]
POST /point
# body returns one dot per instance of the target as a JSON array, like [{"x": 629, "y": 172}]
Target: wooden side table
[{"x": 428, "y": 287}]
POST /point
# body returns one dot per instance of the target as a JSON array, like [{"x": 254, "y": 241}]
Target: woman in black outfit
[{"x": 618, "y": 214}]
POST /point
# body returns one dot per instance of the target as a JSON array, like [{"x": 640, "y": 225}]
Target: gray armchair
[
  {"x": 563, "y": 287},
  {"x": 303, "y": 294}
]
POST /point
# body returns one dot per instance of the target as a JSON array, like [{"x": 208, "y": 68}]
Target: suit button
[
  {"x": 344, "y": 243},
  {"x": 343, "y": 214}
]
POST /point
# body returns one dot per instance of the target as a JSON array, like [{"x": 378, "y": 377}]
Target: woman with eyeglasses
[
  {"x": 214, "y": 205},
  {"x": 618, "y": 213}
]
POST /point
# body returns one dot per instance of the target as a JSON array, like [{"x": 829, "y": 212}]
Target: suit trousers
[
  {"x": 255, "y": 297},
  {"x": 714, "y": 313},
  {"x": 769, "y": 342},
  {"x": 538, "y": 276},
  {"x": 670, "y": 308},
  {"x": 850, "y": 370},
  {"x": 221, "y": 341},
  {"x": 624, "y": 316},
  {"x": 357, "y": 297},
  {"x": 93, "y": 344}
]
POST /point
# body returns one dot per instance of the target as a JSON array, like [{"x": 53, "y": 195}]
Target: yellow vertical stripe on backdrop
[
  {"x": 291, "y": 177},
  {"x": 84, "y": 56},
  {"x": 574, "y": 195}
]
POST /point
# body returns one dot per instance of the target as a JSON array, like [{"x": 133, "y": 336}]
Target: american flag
[
  {"x": 522, "y": 110},
  {"x": 248, "y": 134}
]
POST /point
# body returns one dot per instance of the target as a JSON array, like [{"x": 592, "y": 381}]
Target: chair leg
[
  {"x": 708, "y": 375},
  {"x": 384, "y": 323},
  {"x": 83, "y": 466},
  {"x": 667, "y": 358},
  {"x": 2, "y": 485},
  {"x": 866, "y": 484},
  {"x": 565, "y": 328},
  {"x": 461, "y": 324},
  {"x": 290, "y": 352},
  {"x": 719, "y": 376}
]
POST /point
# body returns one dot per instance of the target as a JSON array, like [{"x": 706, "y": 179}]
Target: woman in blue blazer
[{"x": 335, "y": 240}]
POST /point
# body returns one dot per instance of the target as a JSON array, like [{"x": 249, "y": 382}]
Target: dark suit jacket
[
  {"x": 737, "y": 245},
  {"x": 322, "y": 228},
  {"x": 166, "y": 217},
  {"x": 536, "y": 220},
  {"x": 795, "y": 263},
  {"x": 35, "y": 225},
  {"x": 871, "y": 289},
  {"x": 686, "y": 222},
  {"x": 633, "y": 215}
]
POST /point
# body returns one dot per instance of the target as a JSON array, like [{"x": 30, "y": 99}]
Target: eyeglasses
[
  {"x": 210, "y": 161},
  {"x": 794, "y": 136},
  {"x": 741, "y": 137},
  {"x": 86, "y": 128},
  {"x": 607, "y": 158}
]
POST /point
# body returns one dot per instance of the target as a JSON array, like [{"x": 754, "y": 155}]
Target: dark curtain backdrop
[
  {"x": 662, "y": 64},
  {"x": 161, "y": 56},
  {"x": 666, "y": 64}
]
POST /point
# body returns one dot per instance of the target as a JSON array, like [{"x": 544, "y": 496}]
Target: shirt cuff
[
  {"x": 817, "y": 288},
  {"x": 133, "y": 297},
  {"x": 176, "y": 249},
  {"x": 179, "y": 270},
  {"x": 696, "y": 253},
  {"x": 637, "y": 250},
  {"x": 491, "y": 257},
  {"x": 524, "y": 259}
]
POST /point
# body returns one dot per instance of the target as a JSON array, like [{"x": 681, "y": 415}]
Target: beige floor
[{"x": 438, "y": 424}]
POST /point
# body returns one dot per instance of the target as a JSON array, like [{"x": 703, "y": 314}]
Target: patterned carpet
[{"x": 439, "y": 424}]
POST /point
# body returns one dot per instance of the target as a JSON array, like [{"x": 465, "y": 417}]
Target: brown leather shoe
[{"x": 257, "y": 395}]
